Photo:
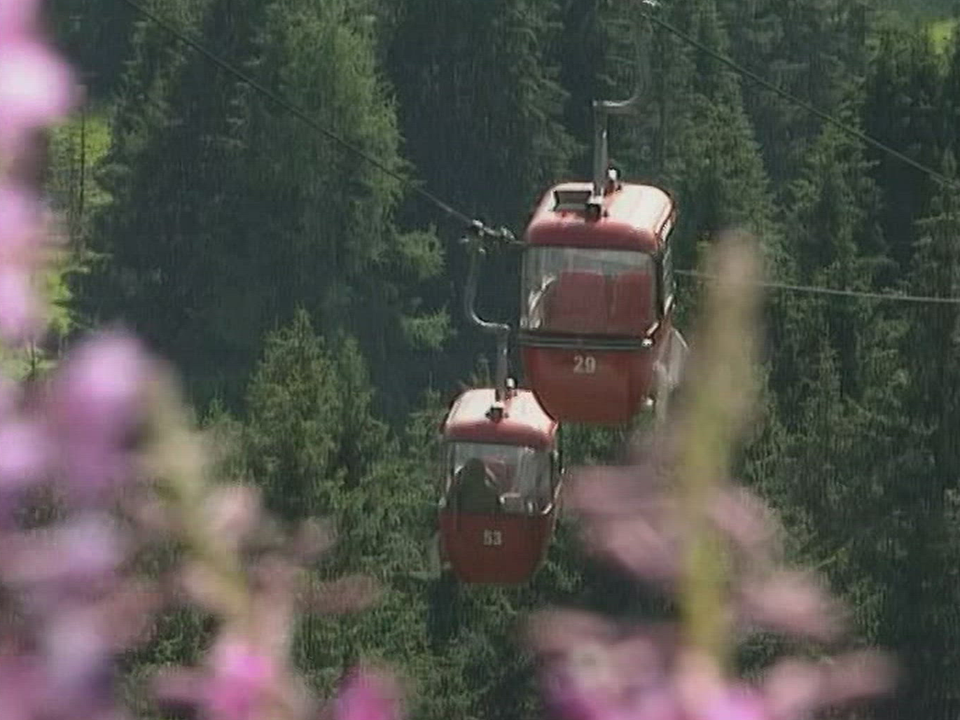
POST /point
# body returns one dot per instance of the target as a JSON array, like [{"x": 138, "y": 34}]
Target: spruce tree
[
  {"x": 711, "y": 156},
  {"x": 814, "y": 49},
  {"x": 920, "y": 610},
  {"x": 228, "y": 212},
  {"x": 902, "y": 109}
]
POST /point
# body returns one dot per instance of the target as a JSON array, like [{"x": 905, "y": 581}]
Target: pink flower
[
  {"x": 24, "y": 450},
  {"x": 96, "y": 407},
  {"x": 20, "y": 315},
  {"x": 20, "y": 224},
  {"x": 796, "y": 688},
  {"x": 738, "y": 702},
  {"x": 18, "y": 17},
  {"x": 368, "y": 695},
  {"x": 78, "y": 661},
  {"x": 241, "y": 683},
  {"x": 593, "y": 672},
  {"x": 792, "y": 603},
  {"x": 10, "y": 394},
  {"x": 575, "y": 695},
  {"x": 100, "y": 389},
  {"x": 71, "y": 555},
  {"x": 19, "y": 686},
  {"x": 36, "y": 88},
  {"x": 642, "y": 546}
]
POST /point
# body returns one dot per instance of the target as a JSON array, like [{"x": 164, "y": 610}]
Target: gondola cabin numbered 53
[
  {"x": 597, "y": 299},
  {"x": 500, "y": 487}
]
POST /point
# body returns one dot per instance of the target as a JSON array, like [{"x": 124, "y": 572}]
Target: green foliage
[
  {"x": 96, "y": 36},
  {"x": 311, "y": 436},
  {"x": 942, "y": 34},
  {"x": 228, "y": 191},
  {"x": 76, "y": 149},
  {"x": 902, "y": 109},
  {"x": 479, "y": 105},
  {"x": 814, "y": 49}
]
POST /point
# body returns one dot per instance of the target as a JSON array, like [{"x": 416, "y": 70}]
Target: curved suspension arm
[
  {"x": 602, "y": 109},
  {"x": 500, "y": 330}
]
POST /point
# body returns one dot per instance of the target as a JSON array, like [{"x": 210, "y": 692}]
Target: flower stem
[{"x": 721, "y": 382}]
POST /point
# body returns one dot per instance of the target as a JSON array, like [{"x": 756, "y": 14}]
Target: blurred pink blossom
[
  {"x": 36, "y": 88},
  {"x": 74, "y": 607},
  {"x": 241, "y": 682},
  {"x": 738, "y": 702},
  {"x": 795, "y": 688},
  {"x": 368, "y": 695},
  {"x": 21, "y": 239},
  {"x": 10, "y": 395},
  {"x": 793, "y": 603},
  {"x": 20, "y": 683},
  {"x": 18, "y": 17},
  {"x": 20, "y": 314},
  {"x": 24, "y": 450},
  {"x": 640, "y": 675},
  {"x": 20, "y": 224},
  {"x": 78, "y": 664},
  {"x": 95, "y": 407},
  {"x": 594, "y": 669},
  {"x": 71, "y": 554}
]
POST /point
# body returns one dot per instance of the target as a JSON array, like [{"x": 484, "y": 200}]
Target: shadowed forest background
[{"x": 311, "y": 303}]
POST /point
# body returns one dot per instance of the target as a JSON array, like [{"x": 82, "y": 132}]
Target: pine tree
[
  {"x": 297, "y": 407},
  {"x": 836, "y": 242},
  {"x": 902, "y": 109},
  {"x": 165, "y": 174},
  {"x": 229, "y": 212},
  {"x": 96, "y": 37},
  {"x": 480, "y": 103},
  {"x": 920, "y": 610},
  {"x": 814, "y": 49},
  {"x": 711, "y": 158}
]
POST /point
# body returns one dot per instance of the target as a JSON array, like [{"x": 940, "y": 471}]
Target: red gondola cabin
[
  {"x": 597, "y": 300},
  {"x": 501, "y": 484}
]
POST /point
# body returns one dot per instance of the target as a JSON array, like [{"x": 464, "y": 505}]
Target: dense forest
[{"x": 311, "y": 301}]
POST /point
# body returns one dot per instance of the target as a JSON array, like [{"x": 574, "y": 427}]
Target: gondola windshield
[
  {"x": 487, "y": 478},
  {"x": 588, "y": 291}
]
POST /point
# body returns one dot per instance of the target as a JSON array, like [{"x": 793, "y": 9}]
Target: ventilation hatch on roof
[{"x": 570, "y": 200}]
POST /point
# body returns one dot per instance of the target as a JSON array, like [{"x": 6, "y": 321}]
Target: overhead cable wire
[
  {"x": 820, "y": 290},
  {"x": 303, "y": 116},
  {"x": 803, "y": 104},
  {"x": 481, "y": 229}
]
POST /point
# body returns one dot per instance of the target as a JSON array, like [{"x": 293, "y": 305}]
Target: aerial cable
[
  {"x": 820, "y": 290},
  {"x": 789, "y": 97},
  {"x": 476, "y": 226},
  {"x": 479, "y": 230}
]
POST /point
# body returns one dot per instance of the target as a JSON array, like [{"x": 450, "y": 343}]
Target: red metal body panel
[
  {"x": 524, "y": 421},
  {"x": 583, "y": 366},
  {"x": 584, "y": 385},
  {"x": 497, "y": 549},
  {"x": 500, "y": 548},
  {"x": 633, "y": 218}
]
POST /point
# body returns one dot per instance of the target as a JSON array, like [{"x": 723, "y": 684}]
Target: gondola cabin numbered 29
[
  {"x": 500, "y": 487},
  {"x": 597, "y": 299}
]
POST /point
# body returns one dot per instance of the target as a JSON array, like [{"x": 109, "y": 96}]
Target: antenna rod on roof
[{"x": 602, "y": 109}]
